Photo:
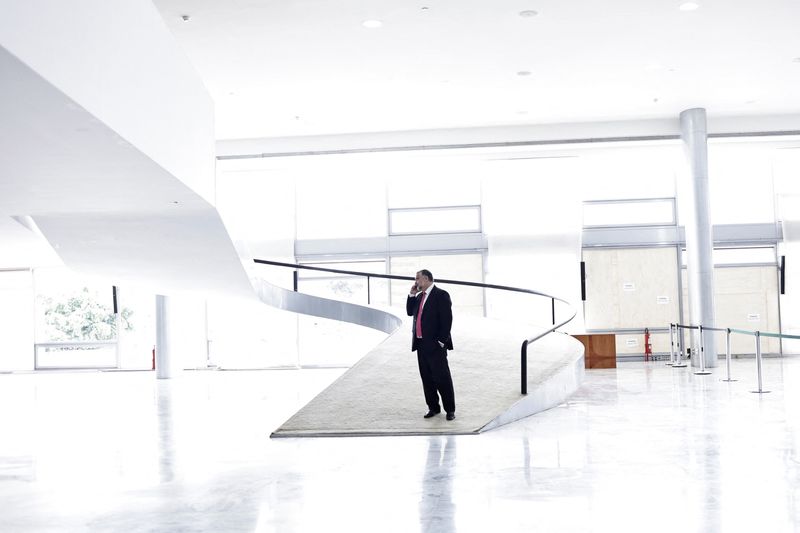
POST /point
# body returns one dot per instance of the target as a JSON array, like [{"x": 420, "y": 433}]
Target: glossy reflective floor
[{"x": 640, "y": 448}]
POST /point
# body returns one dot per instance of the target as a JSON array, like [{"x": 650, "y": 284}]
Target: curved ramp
[{"x": 382, "y": 393}]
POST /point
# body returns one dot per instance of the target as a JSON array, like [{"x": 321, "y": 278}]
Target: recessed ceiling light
[
  {"x": 689, "y": 6},
  {"x": 372, "y": 24},
  {"x": 524, "y": 73},
  {"x": 424, "y": 8},
  {"x": 796, "y": 60},
  {"x": 186, "y": 18},
  {"x": 750, "y": 102},
  {"x": 528, "y": 13}
]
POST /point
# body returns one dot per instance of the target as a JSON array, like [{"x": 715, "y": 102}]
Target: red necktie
[{"x": 419, "y": 316}]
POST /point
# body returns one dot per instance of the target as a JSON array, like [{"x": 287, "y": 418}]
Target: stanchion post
[
  {"x": 679, "y": 361},
  {"x": 728, "y": 353},
  {"x": 671, "y": 345},
  {"x": 758, "y": 363},
  {"x": 702, "y": 371}
]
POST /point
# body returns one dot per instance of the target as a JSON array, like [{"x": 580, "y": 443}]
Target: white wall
[{"x": 741, "y": 183}]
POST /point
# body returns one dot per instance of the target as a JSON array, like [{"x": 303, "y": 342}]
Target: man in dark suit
[{"x": 433, "y": 316}]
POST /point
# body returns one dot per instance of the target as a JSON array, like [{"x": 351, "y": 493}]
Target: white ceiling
[{"x": 308, "y": 67}]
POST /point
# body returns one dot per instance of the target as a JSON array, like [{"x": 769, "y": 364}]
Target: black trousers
[{"x": 435, "y": 374}]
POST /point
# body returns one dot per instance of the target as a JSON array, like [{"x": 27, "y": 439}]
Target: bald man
[{"x": 433, "y": 317}]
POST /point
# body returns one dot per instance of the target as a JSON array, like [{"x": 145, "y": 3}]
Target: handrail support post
[{"x": 524, "y": 368}]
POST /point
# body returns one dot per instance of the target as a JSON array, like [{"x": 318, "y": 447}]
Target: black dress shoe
[
  {"x": 431, "y": 413},
  {"x": 451, "y": 416}
]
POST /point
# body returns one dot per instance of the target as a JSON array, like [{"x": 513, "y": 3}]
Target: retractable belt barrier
[{"x": 676, "y": 362}]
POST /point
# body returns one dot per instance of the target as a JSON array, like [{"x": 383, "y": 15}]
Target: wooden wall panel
[{"x": 600, "y": 350}]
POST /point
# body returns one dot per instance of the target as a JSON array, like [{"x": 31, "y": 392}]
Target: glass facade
[
  {"x": 529, "y": 213},
  {"x": 503, "y": 216}
]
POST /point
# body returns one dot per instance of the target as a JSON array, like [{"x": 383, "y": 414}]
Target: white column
[
  {"x": 163, "y": 355},
  {"x": 699, "y": 241}
]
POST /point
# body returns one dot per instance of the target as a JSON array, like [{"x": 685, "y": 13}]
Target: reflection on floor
[{"x": 643, "y": 447}]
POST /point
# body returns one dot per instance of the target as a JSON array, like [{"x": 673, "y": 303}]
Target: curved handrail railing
[
  {"x": 524, "y": 353},
  {"x": 368, "y": 275}
]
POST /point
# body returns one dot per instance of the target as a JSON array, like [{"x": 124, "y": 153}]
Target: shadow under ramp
[{"x": 382, "y": 393}]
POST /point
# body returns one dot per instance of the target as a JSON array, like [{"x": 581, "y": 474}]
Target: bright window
[
  {"x": 462, "y": 219},
  {"x": 644, "y": 212},
  {"x": 740, "y": 256}
]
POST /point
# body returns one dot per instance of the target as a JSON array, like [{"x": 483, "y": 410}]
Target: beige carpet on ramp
[{"x": 382, "y": 393}]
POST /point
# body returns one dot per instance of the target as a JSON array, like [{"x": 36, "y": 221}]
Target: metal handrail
[
  {"x": 368, "y": 275},
  {"x": 525, "y": 343}
]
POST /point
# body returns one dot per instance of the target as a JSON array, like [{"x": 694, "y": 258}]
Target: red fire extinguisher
[{"x": 648, "y": 348}]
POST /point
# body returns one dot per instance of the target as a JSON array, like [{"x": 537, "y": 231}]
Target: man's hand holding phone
[{"x": 414, "y": 289}]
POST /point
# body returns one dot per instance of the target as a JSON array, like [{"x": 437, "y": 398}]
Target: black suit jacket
[{"x": 437, "y": 317}]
